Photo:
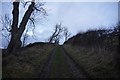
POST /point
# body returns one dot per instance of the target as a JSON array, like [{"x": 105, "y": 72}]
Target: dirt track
[{"x": 61, "y": 65}]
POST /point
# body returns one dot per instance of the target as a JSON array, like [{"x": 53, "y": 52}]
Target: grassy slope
[
  {"x": 98, "y": 63},
  {"x": 59, "y": 68},
  {"x": 27, "y": 64}
]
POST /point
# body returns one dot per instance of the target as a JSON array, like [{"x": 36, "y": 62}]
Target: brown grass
[
  {"x": 27, "y": 64},
  {"x": 97, "y": 62}
]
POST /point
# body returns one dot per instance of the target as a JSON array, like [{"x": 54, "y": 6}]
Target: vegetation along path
[{"x": 60, "y": 65}]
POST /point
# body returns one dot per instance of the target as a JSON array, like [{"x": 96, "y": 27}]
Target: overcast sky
[{"x": 76, "y": 16}]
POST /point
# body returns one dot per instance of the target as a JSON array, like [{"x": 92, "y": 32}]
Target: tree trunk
[
  {"x": 15, "y": 42},
  {"x": 15, "y": 13},
  {"x": 25, "y": 19}
]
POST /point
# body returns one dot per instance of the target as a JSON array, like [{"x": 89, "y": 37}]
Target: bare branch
[
  {"x": 66, "y": 33},
  {"x": 6, "y": 22},
  {"x": 56, "y": 34},
  {"x": 25, "y": 36}
]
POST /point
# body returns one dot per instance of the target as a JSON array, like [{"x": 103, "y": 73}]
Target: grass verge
[
  {"x": 97, "y": 62},
  {"x": 27, "y": 64}
]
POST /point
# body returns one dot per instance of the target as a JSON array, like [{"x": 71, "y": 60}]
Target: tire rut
[
  {"x": 45, "y": 73},
  {"x": 74, "y": 68}
]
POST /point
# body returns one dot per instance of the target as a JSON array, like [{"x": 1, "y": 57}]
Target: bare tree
[
  {"x": 56, "y": 34},
  {"x": 57, "y": 39},
  {"x": 17, "y": 31},
  {"x": 66, "y": 33},
  {"x": 6, "y": 27}
]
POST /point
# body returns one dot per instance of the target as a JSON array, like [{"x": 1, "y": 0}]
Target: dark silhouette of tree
[
  {"x": 66, "y": 33},
  {"x": 56, "y": 34},
  {"x": 17, "y": 31}
]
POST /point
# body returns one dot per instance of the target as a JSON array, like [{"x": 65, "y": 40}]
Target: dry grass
[
  {"x": 27, "y": 64},
  {"x": 97, "y": 62}
]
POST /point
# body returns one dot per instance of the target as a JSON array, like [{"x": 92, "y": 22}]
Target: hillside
[
  {"x": 96, "y": 51},
  {"x": 92, "y": 54},
  {"x": 107, "y": 38}
]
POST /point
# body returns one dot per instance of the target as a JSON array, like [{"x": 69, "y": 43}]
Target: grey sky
[
  {"x": 81, "y": 16},
  {"x": 76, "y": 16}
]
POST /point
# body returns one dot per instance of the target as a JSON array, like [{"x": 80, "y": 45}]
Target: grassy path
[{"x": 60, "y": 65}]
